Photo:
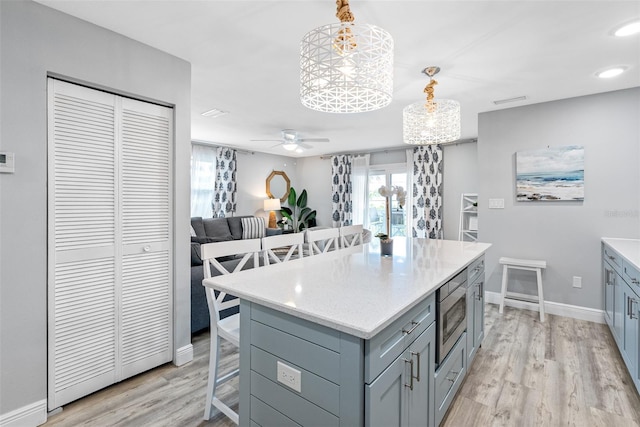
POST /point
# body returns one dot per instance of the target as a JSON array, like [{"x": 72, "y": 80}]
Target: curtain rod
[
  {"x": 398, "y": 148},
  {"x": 214, "y": 145}
]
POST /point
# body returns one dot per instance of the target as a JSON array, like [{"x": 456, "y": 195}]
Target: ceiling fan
[{"x": 291, "y": 140}]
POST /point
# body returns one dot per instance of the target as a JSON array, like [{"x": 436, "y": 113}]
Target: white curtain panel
[
  {"x": 224, "y": 201},
  {"x": 341, "y": 190},
  {"x": 427, "y": 192},
  {"x": 360, "y": 196},
  {"x": 203, "y": 177}
]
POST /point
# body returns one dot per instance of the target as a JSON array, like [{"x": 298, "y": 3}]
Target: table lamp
[{"x": 271, "y": 205}]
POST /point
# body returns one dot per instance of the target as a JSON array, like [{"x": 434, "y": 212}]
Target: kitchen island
[{"x": 346, "y": 338}]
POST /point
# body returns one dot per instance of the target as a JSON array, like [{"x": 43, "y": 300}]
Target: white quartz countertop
[
  {"x": 355, "y": 291},
  {"x": 629, "y": 249}
]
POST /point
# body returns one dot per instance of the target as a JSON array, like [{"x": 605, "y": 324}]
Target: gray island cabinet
[
  {"x": 621, "y": 281},
  {"x": 348, "y": 338}
]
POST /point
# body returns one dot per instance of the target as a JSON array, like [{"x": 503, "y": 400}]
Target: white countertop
[
  {"x": 629, "y": 249},
  {"x": 355, "y": 291}
]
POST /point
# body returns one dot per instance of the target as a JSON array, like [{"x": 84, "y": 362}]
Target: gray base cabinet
[
  {"x": 401, "y": 395},
  {"x": 475, "y": 308},
  {"x": 622, "y": 307},
  {"x": 336, "y": 379}
]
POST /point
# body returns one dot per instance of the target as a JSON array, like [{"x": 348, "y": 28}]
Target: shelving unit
[{"x": 468, "y": 228}]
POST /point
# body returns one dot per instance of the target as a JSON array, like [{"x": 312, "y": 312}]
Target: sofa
[{"x": 210, "y": 230}]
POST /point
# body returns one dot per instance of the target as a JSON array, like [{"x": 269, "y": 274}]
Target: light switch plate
[
  {"x": 496, "y": 203},
  {"x": 289, "y": 376},
  {"x": 7, "y": 162}
]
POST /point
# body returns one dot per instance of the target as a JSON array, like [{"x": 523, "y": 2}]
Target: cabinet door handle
[
  {"x": 415, "y": 325},
  {"x": 479, "y": 297},
  {"x": 410, "y": 385},
  {"x": 417, "y": 353},
  {"x": 635, "y": 281},
  {"x": 629, "y": 307},
  {"x": 611, "y": 257}
]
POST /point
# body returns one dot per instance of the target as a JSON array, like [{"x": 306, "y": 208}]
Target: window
[
  {"x": 377, "y": 218},
  {"x": 203, "y": 177}
]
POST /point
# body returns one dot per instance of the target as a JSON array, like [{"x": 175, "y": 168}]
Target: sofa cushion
[
  {"x": 195, "y": 254},
  {"x": 253, "y": 228},
  {"x": 235, "y": 225},
  {"x": 217, "y": 227},
  {"x": 197, "y": 225},
  {"x": 193, "y": 232}
]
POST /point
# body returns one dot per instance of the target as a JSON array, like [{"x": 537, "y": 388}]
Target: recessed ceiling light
[
  {"x": 628, "y": 29},
  {"x": 214, "y": 113},
  {"x": 611, "y": 72}
]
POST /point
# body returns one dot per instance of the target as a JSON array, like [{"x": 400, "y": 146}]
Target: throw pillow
[
  {"x": 193, "y": 232},
  {"x": 253, "y": 228}
]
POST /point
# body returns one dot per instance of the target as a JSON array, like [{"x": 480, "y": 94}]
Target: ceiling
[{"x": 245, "y": 59}]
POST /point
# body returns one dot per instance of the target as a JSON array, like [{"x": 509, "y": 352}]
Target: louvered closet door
[
  {"x": 82, "y": 242},
  {"x": 110, "y": 299},
  {"x": 146, "y": 133}
]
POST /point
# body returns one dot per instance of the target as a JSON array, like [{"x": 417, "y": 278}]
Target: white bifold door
[{"x": 109, "y": 239}]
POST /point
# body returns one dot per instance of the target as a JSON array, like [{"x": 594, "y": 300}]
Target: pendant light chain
[
  {"x": 345, "y": 42},
  {"x": 343, "y": 12},
  {"x": 428, "y": 89}
]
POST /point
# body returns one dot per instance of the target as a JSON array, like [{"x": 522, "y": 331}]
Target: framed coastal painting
[{"x": 550, "y": 174}]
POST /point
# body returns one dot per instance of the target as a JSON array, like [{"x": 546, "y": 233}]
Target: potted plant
[
  {"x": 298, "y": 214},
  {"x": 386, "y": 242}
]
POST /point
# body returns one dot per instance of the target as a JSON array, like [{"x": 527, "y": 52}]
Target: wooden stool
[{"x": 522, "y": 264}]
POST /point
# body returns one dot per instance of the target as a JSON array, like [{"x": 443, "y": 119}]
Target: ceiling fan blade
[
  {"x": 277, "y": 145},
  {"x": 314, "y": 139},
  {"x": 303, "y": 145},
  {"x": 265, "y": 140}
]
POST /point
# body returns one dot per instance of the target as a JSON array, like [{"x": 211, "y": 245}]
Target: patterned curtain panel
[
  {"x": 427, "y": 192},
  {"x": 341, "y": 190},
  {"x": 224, "y": 201}
]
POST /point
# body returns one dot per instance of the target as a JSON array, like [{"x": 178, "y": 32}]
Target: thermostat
[{"x": 7, "y": 162}]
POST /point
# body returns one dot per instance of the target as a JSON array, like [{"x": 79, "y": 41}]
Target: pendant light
[
  {"x": 435, "y": 122},
  {"x": 346, "y": 67}
]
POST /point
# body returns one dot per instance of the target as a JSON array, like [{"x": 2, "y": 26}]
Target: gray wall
[
  {"x": 314, "y": 175},
  {"x": 460, "y": 175},
  {"x": 36, "y": 40},
  {"x": 565, "y": 234}
]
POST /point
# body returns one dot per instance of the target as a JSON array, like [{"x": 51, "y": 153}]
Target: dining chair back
[
  {"x": 351, "y": 235},
  {"x": 323, "y": 240},
  {"x": 282, "y": 247},
  {"x": 229, "y": 327}
]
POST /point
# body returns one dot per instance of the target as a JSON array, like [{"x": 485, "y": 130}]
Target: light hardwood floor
[{"x": 563, "y": 372}]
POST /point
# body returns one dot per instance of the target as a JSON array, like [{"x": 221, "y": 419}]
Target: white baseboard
[
  {"x": 33, "y": 414},
  {"x": 550, "y": 307},
  {"x": 183, "y": 355}
]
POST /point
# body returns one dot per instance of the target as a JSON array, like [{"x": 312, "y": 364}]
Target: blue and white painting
[{"x": 550, "y": 174}]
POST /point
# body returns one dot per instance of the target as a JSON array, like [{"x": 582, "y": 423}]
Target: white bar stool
[{"x": 522, "y": 264}]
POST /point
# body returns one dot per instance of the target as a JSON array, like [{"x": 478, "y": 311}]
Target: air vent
[
  {"x": 505, "y": 101},
  {"x": 213, "y": 113}
]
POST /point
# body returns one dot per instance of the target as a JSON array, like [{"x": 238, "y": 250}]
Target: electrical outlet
[
  {"x": 577, "y": 281},
  {"x": 289, "y": 376}
]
